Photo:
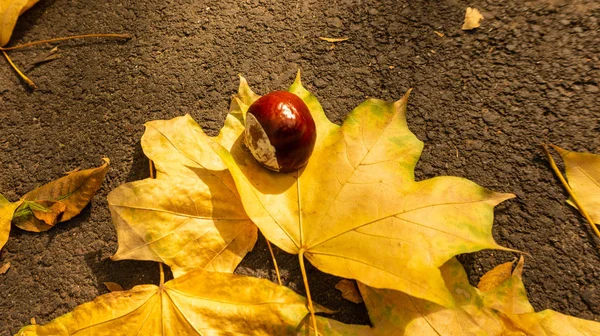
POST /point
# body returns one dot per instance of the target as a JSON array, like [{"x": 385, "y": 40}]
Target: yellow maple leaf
[
  {"x": 198, "y": 303},
  {"x": 502, "y": 310},
  {"x": 10, "y": 10},
  {"x": 355, "y": 210},
  {"x": 191, "y": 215}
]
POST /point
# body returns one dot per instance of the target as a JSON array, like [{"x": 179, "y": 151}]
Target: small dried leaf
[
  {"x": 472, "y": 19},
  {"x": 440, "y": 34},
  {"x": 495, "y": 277},
  {"x": 59, "y": 200},
  {"x": 10, "y": 10},
  {"x": 32, "y": 321},
  {"x": 334, "y": 39},
  {"x": 113, "y": 286},
  {"x": 349, "y": 290},
  {"x": 5, "y": 268}
]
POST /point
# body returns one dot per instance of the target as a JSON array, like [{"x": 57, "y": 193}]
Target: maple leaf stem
[
  {"x": 22, "y": 75},
  {"x": 151, "y": 169},
  {"x": 570, "y": 191},
  {"x": 58, "y": 39},
  {"x": 274, "y": 262},
  {"x": 162, "y": 274},
  {"x": 311, "y": 309}
]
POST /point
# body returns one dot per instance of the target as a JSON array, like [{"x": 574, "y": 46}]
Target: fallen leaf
[
  {"x": 5, "y": 268},
  {"x": 7, "y": 210},
  {"x": 496, "y": 276},
  {"x": 503, "y": 310},
  {"x": 32, "y": 321},
  {"x": 440, "y": 34},
  {"x": 583, "y": 174},
  {"x": 198, "y": 303},
  {"x": 334, "y": 39},
  {"x": 181, "y": 223},
  {"x": 191, "y": 215},
  {"x": 113, "y": 286},
  {"x": 349, "y": 290},
  {"x": 59, "y": 200},
  {"x": 472, "y": 19},
  {"x": 10, "y": 10},
  {"x": 355, "y": 210}
]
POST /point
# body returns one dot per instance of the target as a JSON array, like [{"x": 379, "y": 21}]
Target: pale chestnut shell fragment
[{"x": 259, "y": 145}]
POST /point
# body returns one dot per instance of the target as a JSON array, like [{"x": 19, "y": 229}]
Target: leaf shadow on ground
[
  {"x": 322, "y": 285},
  {"x": 140, "y": 168},
  {"x": 127, "y": 273},
  {"x": 29, "y": 20}
]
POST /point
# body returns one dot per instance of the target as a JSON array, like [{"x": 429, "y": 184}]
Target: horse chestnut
[{"x": 280, "y": 131}]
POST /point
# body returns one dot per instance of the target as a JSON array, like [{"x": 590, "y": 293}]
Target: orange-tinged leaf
[
  {"x": 356, "y": 210},
  {"x": 583, "y": 174},
  {"x": 10, "y": 10},
  {"x": 198, "y": 303},
  {"x": 349, "y": 290},
  {"x": 495, "y": 276},
  {"x": 7, "y": 210},
  {"x": 50, "y": 212},
  {"x": 59, "y": 200}
]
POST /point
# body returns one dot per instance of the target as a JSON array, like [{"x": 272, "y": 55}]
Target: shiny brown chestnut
[{"x": 280, "y": 131}]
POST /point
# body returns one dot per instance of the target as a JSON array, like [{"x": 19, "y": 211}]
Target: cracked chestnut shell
[{"x": 280, "y": 131}]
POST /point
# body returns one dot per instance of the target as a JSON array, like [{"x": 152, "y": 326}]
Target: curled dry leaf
[
  {"x": 191, "y": 215},
  {"x": 503, "y": 310},
  {"x": 7, "y": 210},
  {"x": 198, "y": 303},
  {"x": 496, "y": 276},
  {"x": 113, "y": 286},
  {"x": 583, "y": 173},
  {"x": 10, "y": 10},
  {"x": 472, "y": 19},
  {"x": 349, "y": 290},
  {"x": 355, "y": 210},
  {"x": 59, "y": 200}
]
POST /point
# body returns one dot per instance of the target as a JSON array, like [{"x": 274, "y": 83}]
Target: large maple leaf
[
  {"x": 501, "y": 310},
  {"x": 191, "y": 215},
  {"x": 355, "y": 210},
  {"x": 197, "y": 303}
]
